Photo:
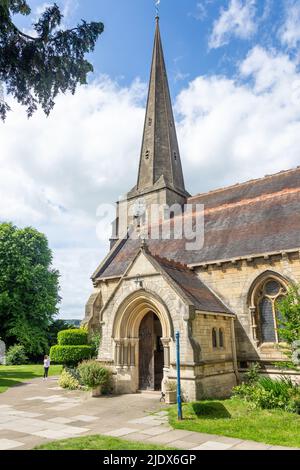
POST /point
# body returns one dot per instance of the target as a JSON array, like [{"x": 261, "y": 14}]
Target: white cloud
[
  {"x": 290, "y": 31},
  {"x": 235, "y": 130},
  {"x": 236, "y": 21},
  {"x": 56, "y": 171}
]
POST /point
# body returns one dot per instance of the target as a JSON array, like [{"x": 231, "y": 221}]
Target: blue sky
[
  {"x": 233, "y": 69},
  {"x": 124, "y": 50}
]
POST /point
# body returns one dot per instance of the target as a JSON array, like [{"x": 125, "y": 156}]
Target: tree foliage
[
  {"x": 54, "y": 328},
  {"x": 289, "y": 318},
  {"x": 35, "y": 69},
  {"x": 28, "y": 288}
]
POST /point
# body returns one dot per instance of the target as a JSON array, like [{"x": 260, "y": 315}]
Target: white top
[{"x": 46, "y": 363}]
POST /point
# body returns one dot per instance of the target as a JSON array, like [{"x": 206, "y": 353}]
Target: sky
[{"x": 233, "y": 68}]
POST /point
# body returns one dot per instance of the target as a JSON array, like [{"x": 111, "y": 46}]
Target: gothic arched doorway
[{"x": 151, "y": 353}]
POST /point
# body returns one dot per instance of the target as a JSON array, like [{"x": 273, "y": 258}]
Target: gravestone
[{"x": 2, "y": 352}]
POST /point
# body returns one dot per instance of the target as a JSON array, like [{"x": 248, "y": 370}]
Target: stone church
[{"x": 221, "y": 296}]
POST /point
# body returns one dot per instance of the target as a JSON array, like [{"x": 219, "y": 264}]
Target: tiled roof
[
  {"x": 261, "y": 216},
  {"x": 197, "y": 292}
]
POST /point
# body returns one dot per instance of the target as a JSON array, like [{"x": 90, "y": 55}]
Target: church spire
[{"x": 160, "y": 164}]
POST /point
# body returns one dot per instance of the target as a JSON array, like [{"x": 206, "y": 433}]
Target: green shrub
[
  {"x": 93, "y": 374},
  {"x": 16, "y": 355},
  {"x": 73, "y": 337},
  {"x": 69, "y": 355},
  {"x": 74, "y": 372},
  {"x": 94, "y": 341},
  {"x": 253, "y": 375},
  {"x": 268, "y": 394},
  {"x": 66, "y": 380}
]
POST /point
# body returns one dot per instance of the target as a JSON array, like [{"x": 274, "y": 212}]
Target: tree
[
  {"x": 289, "y": 316},
  {"x": 54, "y": 328},
  {"x": 28, "y": 288},
  {"x": 289, "y": 323},
  {"x": 36, "y": 69}
]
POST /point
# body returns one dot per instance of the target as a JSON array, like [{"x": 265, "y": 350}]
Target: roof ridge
[{"x": 274, "y": 175}]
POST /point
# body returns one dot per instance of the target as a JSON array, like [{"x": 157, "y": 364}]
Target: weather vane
[{"x": 157, "y": 3}]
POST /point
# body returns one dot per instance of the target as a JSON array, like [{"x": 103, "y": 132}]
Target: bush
[
  {"x": 253, "y": 375},
  {"x": 93, "y": 374},
  {"x": 72, "y": 337},
  {"x": 94, "y": 341},
  {"x": 16, "y": 355},
  {"x": 69, "y": 355},
  {"x": 66, "y": 380},
  {"x": 269, "y": 394},
  {"x": 73, "y": 371}
]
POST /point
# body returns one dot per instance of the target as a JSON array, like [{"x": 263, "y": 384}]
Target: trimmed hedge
[
  {"x": 73, "y": 337},
  {"x": 70, "y": 355}
]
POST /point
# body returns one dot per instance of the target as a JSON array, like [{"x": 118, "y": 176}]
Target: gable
[{"x": 141, "y": 266}]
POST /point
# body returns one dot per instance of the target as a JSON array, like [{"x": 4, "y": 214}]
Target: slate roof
[
  {"x": 260, "y": 216},
  {"x": 194, "y": 289}
]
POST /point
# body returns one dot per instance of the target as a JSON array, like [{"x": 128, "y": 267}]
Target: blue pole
[{"x": 179, "y": 405}]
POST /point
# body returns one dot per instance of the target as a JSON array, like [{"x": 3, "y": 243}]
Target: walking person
[{"x": 46, "y": 367}]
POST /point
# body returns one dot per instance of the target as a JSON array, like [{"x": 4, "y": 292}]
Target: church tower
[{"x": 160, "y": 178}]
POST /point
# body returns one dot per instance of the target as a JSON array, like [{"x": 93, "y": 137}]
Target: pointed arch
[
  {"x": 263, "y": 295},
  {"x": 132, "y": 310},
  {"x": 268, "y": 274}
]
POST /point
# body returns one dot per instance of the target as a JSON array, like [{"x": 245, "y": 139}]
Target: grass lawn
[
  {"x": 14, "y": 375},
  {"x": 234, "y": 418},
  {"x": 99, "y": 443}
]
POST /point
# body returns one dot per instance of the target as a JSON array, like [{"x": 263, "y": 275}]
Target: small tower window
[
  {"x": 214, "y": 338},
  {"x": 147, "y": 154},
  {"x": 149, "y": 122},
  {"x": 175, "y": 156},
  {"x": 221, "y": 338}
]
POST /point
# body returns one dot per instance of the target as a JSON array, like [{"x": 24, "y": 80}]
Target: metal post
[{"x": 179, "y": 405}]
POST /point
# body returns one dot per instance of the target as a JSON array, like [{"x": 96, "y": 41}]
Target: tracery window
[{"x": 267, "y": 295}]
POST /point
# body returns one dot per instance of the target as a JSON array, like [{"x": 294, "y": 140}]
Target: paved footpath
[{"x": 39, "y": 411}]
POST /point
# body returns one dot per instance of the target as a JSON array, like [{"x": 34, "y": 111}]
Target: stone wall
[{"x": 232, "y": 282}]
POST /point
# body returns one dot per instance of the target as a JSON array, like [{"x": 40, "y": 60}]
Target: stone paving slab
[
  {"x": 120, "y": 432},
  {"x": 7, "y": 444},
  {"x": 61, "y": 420},
  {"x": 250, "y": 445},
  {"x": 148, "y": 421},
  {"x": 85, "y": 418},
  {"x": 156, "y": 431},
  {"x": 170, "y": 436},
  {"x": 213, "y": 445},
  {"x": 185, "y": 445}
]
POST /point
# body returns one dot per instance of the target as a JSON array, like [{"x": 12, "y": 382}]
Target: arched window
[
  {"x": 221, "y": 338},
  {"x": 214, "y": 338},
  {"x": 265, "y": 296}
]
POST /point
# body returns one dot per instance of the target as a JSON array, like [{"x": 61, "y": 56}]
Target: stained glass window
[{"x": 268, "y": 315}]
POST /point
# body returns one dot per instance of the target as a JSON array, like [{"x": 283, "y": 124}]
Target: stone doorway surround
[{"x": 127, "y": 338}]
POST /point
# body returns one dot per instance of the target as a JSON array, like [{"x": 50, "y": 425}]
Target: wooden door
[{"x": 146, "y": 353}]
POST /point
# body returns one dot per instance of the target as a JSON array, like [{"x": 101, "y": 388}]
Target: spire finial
[{"x": 157, "y": 3}]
